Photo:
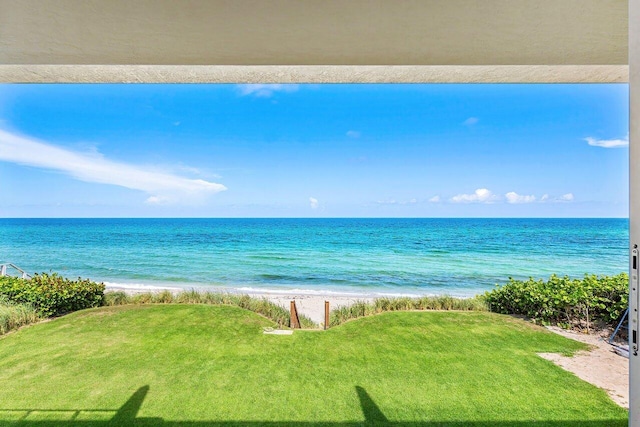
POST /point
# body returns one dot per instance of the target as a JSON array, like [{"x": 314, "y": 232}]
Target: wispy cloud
[
  {"x": 387, "y": 202},
  {"x": 162, "y": 187},
  {"x": 608, "y": 143},
  {"x": 471, "y": 121},
  {"x": 481, "y": 195},
  {"x": 157, "y": 200},
  {"x": 434, "y": 199},
  {"x": 396, "y": 202},
  {"x": 266, "y": 90},
  {"x": 190, "y": 171},
  {"x": 515, "y": 198},
  {"x": 353, "y": 134},
  {"x": 569, "y": 197},
  {"x": 313, "y": 202}
]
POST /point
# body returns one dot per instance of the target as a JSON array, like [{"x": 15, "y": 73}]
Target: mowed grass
[{"x": 203, "y": 365}]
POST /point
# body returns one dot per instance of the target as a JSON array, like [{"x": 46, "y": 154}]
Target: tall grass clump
[
  {"x": 13, "y": 315},
  {"x": 115, "y": 298},
  {"x": 261, "y": 306},
  {"x": 443, "y": 302},
  {"x": 566, "y": 302}
]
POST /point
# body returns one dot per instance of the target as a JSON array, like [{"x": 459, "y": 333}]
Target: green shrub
[
  {"x": 51, "y": 294},
  {"x": 13, "y": 315},
  {"x": 562, "y": 300}
]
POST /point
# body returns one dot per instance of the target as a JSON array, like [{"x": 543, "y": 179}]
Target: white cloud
[
  {"x": 515, "y": 198},
  {"x": 313, "y": 203},
  {"x": 353, "y": 134},
  {"x": 544, "y": 198},
  {"x": 471, "y": 121},
  {"x": 608, "y": 143},
  {"x": 566, "y": 197},
  {"x": 94, "y": 167},
  {"x": 481, "y": 195},
  {"x": 266, "y": 90},
  {"x": 434, "y": 199}
]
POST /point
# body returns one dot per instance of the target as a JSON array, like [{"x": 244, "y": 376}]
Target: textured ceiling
[{"x": 426, "y": 33}]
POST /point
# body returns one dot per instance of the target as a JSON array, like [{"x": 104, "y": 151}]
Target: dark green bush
[
  {"x": 562, "y": 300},
  {"x": 51, "y": 294}
]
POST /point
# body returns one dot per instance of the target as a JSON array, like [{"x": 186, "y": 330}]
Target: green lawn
[{"x": 200, "y": 365}]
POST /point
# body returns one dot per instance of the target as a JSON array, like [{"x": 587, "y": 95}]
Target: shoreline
[{"x": 300, "y": 290}]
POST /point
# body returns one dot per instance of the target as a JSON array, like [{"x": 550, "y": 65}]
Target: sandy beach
[{"x": 310, "y": 305}]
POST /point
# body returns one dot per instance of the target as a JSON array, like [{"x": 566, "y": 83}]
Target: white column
[{"x": 634, "y": 213}]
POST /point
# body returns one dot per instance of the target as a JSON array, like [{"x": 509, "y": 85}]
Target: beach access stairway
[{"x": 8, "y": 269}]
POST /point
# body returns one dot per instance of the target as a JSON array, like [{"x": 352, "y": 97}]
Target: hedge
[
  {"x": 564, "y": 301},
  {"x": 51, "y": 294}
]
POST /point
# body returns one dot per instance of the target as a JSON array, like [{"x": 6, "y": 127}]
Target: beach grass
[
  {"x": 261, "y": 306},
  {"x": 211, "y": 365},
  {"x": 380, "y": 305},
  {"x": 13, "y": 316}
]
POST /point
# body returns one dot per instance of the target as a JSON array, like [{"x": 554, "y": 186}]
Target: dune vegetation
[{"x": 13, "y": 315}]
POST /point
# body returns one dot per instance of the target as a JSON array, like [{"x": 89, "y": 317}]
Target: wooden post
[
  {"x": 326, "y": 315},
  {"x": 295, "y": 322}
]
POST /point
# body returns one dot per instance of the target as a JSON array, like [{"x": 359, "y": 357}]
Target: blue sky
[{"x": 345, "y": 150}]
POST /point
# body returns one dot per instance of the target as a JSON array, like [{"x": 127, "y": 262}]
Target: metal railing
[{"x": 6, "y": 268}]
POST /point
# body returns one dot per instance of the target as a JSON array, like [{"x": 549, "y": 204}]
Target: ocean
[{"x": 353, "y": 257}]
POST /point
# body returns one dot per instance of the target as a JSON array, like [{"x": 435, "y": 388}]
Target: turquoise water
[{"x": 344, "y": 256}]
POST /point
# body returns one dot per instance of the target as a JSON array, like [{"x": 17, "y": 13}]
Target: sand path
[{"x": 600, "y": 366}]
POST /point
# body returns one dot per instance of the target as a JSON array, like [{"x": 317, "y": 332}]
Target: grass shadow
[
  {"x": 372, "y": 414},
  {"x": 129, "y": 411},
  {"x": 127, "y": 415}
]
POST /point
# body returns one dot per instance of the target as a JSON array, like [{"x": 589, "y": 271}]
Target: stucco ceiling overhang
[{"x": 313, "y": 40}]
